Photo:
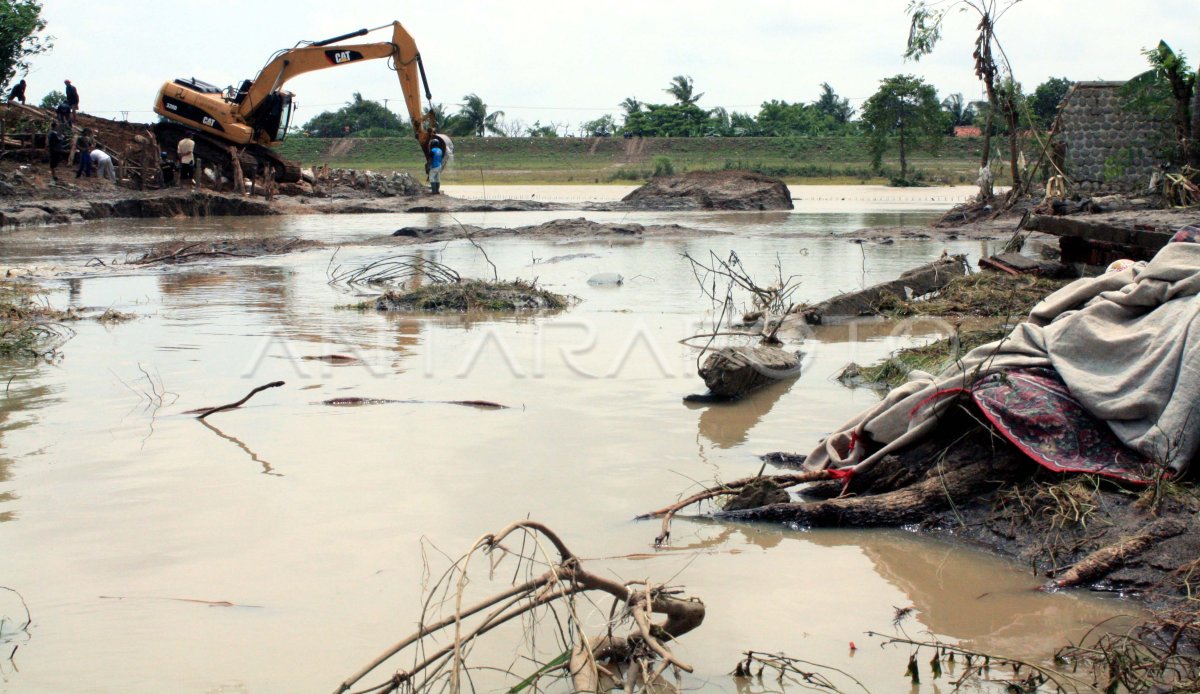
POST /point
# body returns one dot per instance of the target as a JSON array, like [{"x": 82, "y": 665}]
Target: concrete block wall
[{"x": 1108, "y": 149}]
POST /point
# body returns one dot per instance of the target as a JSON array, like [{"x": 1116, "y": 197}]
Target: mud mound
[
  {"x": 173, "y": 252},
  {"x": 578, "y": 227},
  {"x": 472, "y": 295},
  {"x": 713, "y": 190}
]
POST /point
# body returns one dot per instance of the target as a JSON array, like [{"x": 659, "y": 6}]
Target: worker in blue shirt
[{"x": 436, "y": 154}]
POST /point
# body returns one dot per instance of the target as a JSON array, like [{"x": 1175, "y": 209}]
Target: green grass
[
  {"x": 501, "y": 160},
  {"x": 982, "y": 294},
  {"x": 930, "y": 358}
]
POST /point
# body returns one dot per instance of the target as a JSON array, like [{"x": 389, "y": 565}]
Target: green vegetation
[
  {"x": 983, "y": 294},
  {"x": 607, "y": 159},
  {"x": 1168, "y": 91},
  {"x": 930, "y": 358},
  {"x": 907, "y": 110},
  {"x": 53, "y": 99},
  {"x": 359, "y": 115},
  {"x": 20, "y": 23}
]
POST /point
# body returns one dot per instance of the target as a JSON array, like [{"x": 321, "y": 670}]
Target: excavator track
[{"x": 209, "y": 150}]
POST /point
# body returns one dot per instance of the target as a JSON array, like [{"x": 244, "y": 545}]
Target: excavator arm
[{"x": 402, "y": 51}]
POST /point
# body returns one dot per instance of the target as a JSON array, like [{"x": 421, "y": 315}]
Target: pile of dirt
[
  {"x": 713, "y": 190},
  {"x": 472, "y": 295},
  {"x": 578, "y": 227},
  {"x": 352, "y": 183},
  {"x": 118, "y": 203}
]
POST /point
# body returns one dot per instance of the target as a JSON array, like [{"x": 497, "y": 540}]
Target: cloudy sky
[{"x": 565, "y": 61}]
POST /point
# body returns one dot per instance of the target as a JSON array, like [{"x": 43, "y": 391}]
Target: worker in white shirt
[
  {"x": 187, "y": 160},
  {"x": 103, "y": 164}
]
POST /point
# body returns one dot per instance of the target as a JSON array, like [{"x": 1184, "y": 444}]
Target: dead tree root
[
  {"x": 730, "y": 489},
  {"x": 1109, "y": 558},
  {"x": 911, "y": 504}
]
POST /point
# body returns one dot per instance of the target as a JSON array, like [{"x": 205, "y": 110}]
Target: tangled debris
[
  {"x": 472, "y": 295},
  {"x": 30, "y": 327},
  {"x": 547, "y": 576},
  {"x": 986, "y": 294}
]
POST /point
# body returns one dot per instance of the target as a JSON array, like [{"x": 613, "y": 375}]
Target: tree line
[{"x": 829, "y": 114}]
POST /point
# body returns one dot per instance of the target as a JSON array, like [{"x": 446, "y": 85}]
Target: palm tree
[
  {"x": 959, "y": 111},
  {"x": 834, "y": 106},
  {"x": 475, "y": 117},
  {"x": 630, "y": 104},
  {"x": 682, "y": 88}
]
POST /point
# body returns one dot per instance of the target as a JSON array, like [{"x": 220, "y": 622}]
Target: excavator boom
[{"x": 401, "y": 50}]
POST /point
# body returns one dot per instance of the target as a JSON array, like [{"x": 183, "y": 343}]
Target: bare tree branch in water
[
  {"x": 554, "y": 578},
  {"x": 394, "y": 270},
  {"x": 721, "y": 278},
  {"x": 203, "y": 412}
]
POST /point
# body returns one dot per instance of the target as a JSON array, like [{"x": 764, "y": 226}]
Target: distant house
[{"x": 967, "y": 131}]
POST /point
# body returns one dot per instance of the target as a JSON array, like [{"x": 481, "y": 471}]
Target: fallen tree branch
[
  {"x": 204, "y": 412},
  {"x": 353, "y": 401}
]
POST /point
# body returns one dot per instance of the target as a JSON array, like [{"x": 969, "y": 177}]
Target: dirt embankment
[{"x": 712, "y": 190}]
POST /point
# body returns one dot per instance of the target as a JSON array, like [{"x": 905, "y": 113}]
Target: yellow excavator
[{"x": 255, "y": 116}]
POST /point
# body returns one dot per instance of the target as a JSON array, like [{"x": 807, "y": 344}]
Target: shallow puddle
[{"x": 118, "y": 513}]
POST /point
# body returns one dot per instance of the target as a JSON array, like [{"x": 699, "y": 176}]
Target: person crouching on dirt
[
  {"x": 17, "y": 93},
  {"x": 185, "y": 153},
  {"x": 64, "y": 113},
  {"x": 83, "y": 146},
  {"x": 435, "y": 166},
  {"x": 103, "y": 164},
  {"x": 57, "y": 146}
]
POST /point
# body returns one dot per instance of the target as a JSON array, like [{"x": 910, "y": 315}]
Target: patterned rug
[{"x": 1033, "y": 409}]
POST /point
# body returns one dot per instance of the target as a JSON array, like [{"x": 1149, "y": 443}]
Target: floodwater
[{"x": 120, "y": 517}]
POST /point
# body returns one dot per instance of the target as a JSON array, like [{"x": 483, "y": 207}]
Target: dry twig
[{"x": 204, "y": 412}]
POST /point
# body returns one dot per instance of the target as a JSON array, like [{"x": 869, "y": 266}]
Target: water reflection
[
  {"x": 727, "y": 424},
  {"x": 267, "y": 468},
  {"x": 960, "y": 593},
  {"x": 20, "y": 401}
]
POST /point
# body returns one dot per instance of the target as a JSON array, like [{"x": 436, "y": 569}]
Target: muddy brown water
[{"x": 117, "y": 512}]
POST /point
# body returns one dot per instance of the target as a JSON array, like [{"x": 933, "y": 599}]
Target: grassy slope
[{"x": 604, "y": 160}]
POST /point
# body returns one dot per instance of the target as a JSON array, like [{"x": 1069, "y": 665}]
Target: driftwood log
[
  {"x": 913, "y": 283},
  {"x": 732, "y": 372}
]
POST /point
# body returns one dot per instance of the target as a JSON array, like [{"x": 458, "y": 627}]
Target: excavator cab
[{"x": 274, "y": 116}]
